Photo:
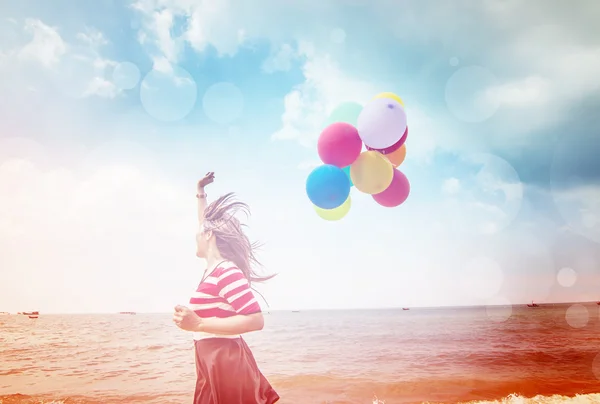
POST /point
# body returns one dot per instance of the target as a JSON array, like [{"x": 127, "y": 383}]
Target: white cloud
[
  {"x": 580, "y": 207},
  {"x": 308, "y": 104},
  {"x": 531, "y": 91},
  {"x": 281, "y": 60},
  {"x": 326, "y": 85},
  {"x": 162, "y": 64},
  {"x": 102, "y": 88},
  {"x": 46, "y": 47},
  {"x": 451, "y": 186},
  {"x": 92, "y": 37},
  {"x": 210, "y": 25},
  {"x": 132, "y": 235},
  {"x": 162, "y": 24},
  {"x": 206, "y": 23},
  {"x": 78, "y": 69}
]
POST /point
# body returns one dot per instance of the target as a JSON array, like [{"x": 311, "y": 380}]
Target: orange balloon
[
  {"x": 371, "y": 172},
  {"x": 397, "y": 156}
]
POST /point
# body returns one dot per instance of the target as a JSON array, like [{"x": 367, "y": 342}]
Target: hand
[
  {"x": 186, "y": 319},
  {"x": 208, "y": 179}
]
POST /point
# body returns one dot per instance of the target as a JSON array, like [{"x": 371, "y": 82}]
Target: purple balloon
[
  {"x": 393, "y": 147},
  {"x": 381, "y": 123}
]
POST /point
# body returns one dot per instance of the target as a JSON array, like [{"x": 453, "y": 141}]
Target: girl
[{"x": 224, "y": 307}]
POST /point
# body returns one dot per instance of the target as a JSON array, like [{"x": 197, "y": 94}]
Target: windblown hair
[{"x": 232, "y": 242}]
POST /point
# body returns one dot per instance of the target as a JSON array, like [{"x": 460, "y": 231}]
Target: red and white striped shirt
[{"x": 224, "y": 293}]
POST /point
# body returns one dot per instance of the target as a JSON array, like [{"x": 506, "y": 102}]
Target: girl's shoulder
[{"x": 226, "y": 267}]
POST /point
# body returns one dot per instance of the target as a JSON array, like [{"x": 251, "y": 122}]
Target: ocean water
[{"x": 537, "y": 355}]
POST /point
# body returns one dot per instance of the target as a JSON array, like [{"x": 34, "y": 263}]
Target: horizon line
[{"x": 335, "y": 309}]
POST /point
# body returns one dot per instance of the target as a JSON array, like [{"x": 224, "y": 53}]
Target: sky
[{"x": 110, "y": 111}]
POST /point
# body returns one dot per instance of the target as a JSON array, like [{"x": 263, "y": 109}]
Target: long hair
[{"x": 232, "y": 242}]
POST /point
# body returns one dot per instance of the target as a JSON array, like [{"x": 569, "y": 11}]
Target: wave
[
  {"x": 139, "y": 399},
  {"x": 555, "y": 399}
]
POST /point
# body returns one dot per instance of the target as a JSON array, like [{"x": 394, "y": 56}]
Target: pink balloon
[
  {"x": 393, "y": 147},
  {"x": 339, "y": 144},
  {"x": 396, "y": 193}
]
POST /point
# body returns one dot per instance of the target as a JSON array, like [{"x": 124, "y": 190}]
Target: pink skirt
[{"x": 227, "y": 373}]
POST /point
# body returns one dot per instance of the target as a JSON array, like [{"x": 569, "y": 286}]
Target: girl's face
[{"x": 202, "y": 238}]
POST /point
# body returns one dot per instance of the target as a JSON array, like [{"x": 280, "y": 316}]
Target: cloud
[
  {"x": 101, "y": 88},
  {"x": 528, "y": 92},
  {"x": 46, "y": 47},
  {"x": 451, "y": 186},
  {"x": 281, "y": 60},
  {"x": 134, "y": 232},
  {"x": 202, "y": 23},
  {"x": 555, "y": 73},
  {"x": 92, "y": 37},
  {"x": 325, "y": 86},
  {"x": 78, "y": 69},
  {"x": 580, "y": 208}
]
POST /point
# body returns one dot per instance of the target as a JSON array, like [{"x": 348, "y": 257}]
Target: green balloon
[
  {"x": 347, "y": 112},
  {"x": 347, "y": 171}
]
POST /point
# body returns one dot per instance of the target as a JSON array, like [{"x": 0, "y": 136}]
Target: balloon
[
  {"x": 347, "y": 171},
  {"x": 396, "y": 193},
  {"x": 346, "y": 112},
  {"x": 335, "y": 213},
  {"x": 397, "y": 157},
  {"x": 393, "y": 147},
  {"x": 372, "y": 172},
  {"x": 381, "y": 123},
  {"x": 339, "y": 144},
  {"x": 390, "y": 95},
  {"x": 327, "y": 186}
]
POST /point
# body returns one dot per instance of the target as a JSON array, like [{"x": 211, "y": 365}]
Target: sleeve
[{"x": 235, "y": 289}]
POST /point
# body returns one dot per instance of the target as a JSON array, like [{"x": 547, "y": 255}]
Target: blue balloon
[
  {"x": 327, "y": 186},
  {"x": 347, "y": 171}
]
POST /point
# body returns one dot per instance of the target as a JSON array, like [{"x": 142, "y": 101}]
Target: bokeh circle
[
  {"x": 453, "y": 61},
  {"x": 566, "y": 277},
  {"x": 168, "y": 96},
  {"x": 126, "y": 76},
  {"x": 223, "y": 103},
  {"x": 577, "y": 316},
  {"x": 470, "y": 94}
]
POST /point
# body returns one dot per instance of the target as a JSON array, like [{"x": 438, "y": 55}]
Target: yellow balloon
[
  {"x": 335, "y": 213},
  {"x": 390, "y": 95},
  {"x": 371, "y": 172}
]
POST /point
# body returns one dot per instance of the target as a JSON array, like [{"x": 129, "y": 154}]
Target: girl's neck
[{"x": 213, "y": 260}]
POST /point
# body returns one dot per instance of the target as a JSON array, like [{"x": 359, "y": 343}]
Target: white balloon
[{"x": 381, "y": 123}]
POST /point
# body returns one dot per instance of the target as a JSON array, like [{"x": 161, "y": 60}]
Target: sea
[{"x": 519, "y": 354}]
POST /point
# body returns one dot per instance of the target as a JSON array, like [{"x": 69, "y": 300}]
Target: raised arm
[{"x": 201, "y": 194}]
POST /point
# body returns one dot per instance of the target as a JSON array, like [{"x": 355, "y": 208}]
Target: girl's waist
[{"x": 204, "y": 335}]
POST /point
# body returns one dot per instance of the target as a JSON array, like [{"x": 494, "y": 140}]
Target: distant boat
[
  {"x": 128, "y": 312},
  {"x": 4, "y": 313},
  {"x": 405, "y": 308},
  {"x": 598, "y": 303},
  {"x": 533, "y": 304},
  {"x": 33, "y": 316},
  {"x": 295, "y": 311},
  {"x": 31, "y": 313}
]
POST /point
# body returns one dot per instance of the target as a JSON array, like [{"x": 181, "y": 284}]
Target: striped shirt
[{"x": 224, "y": 293}]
